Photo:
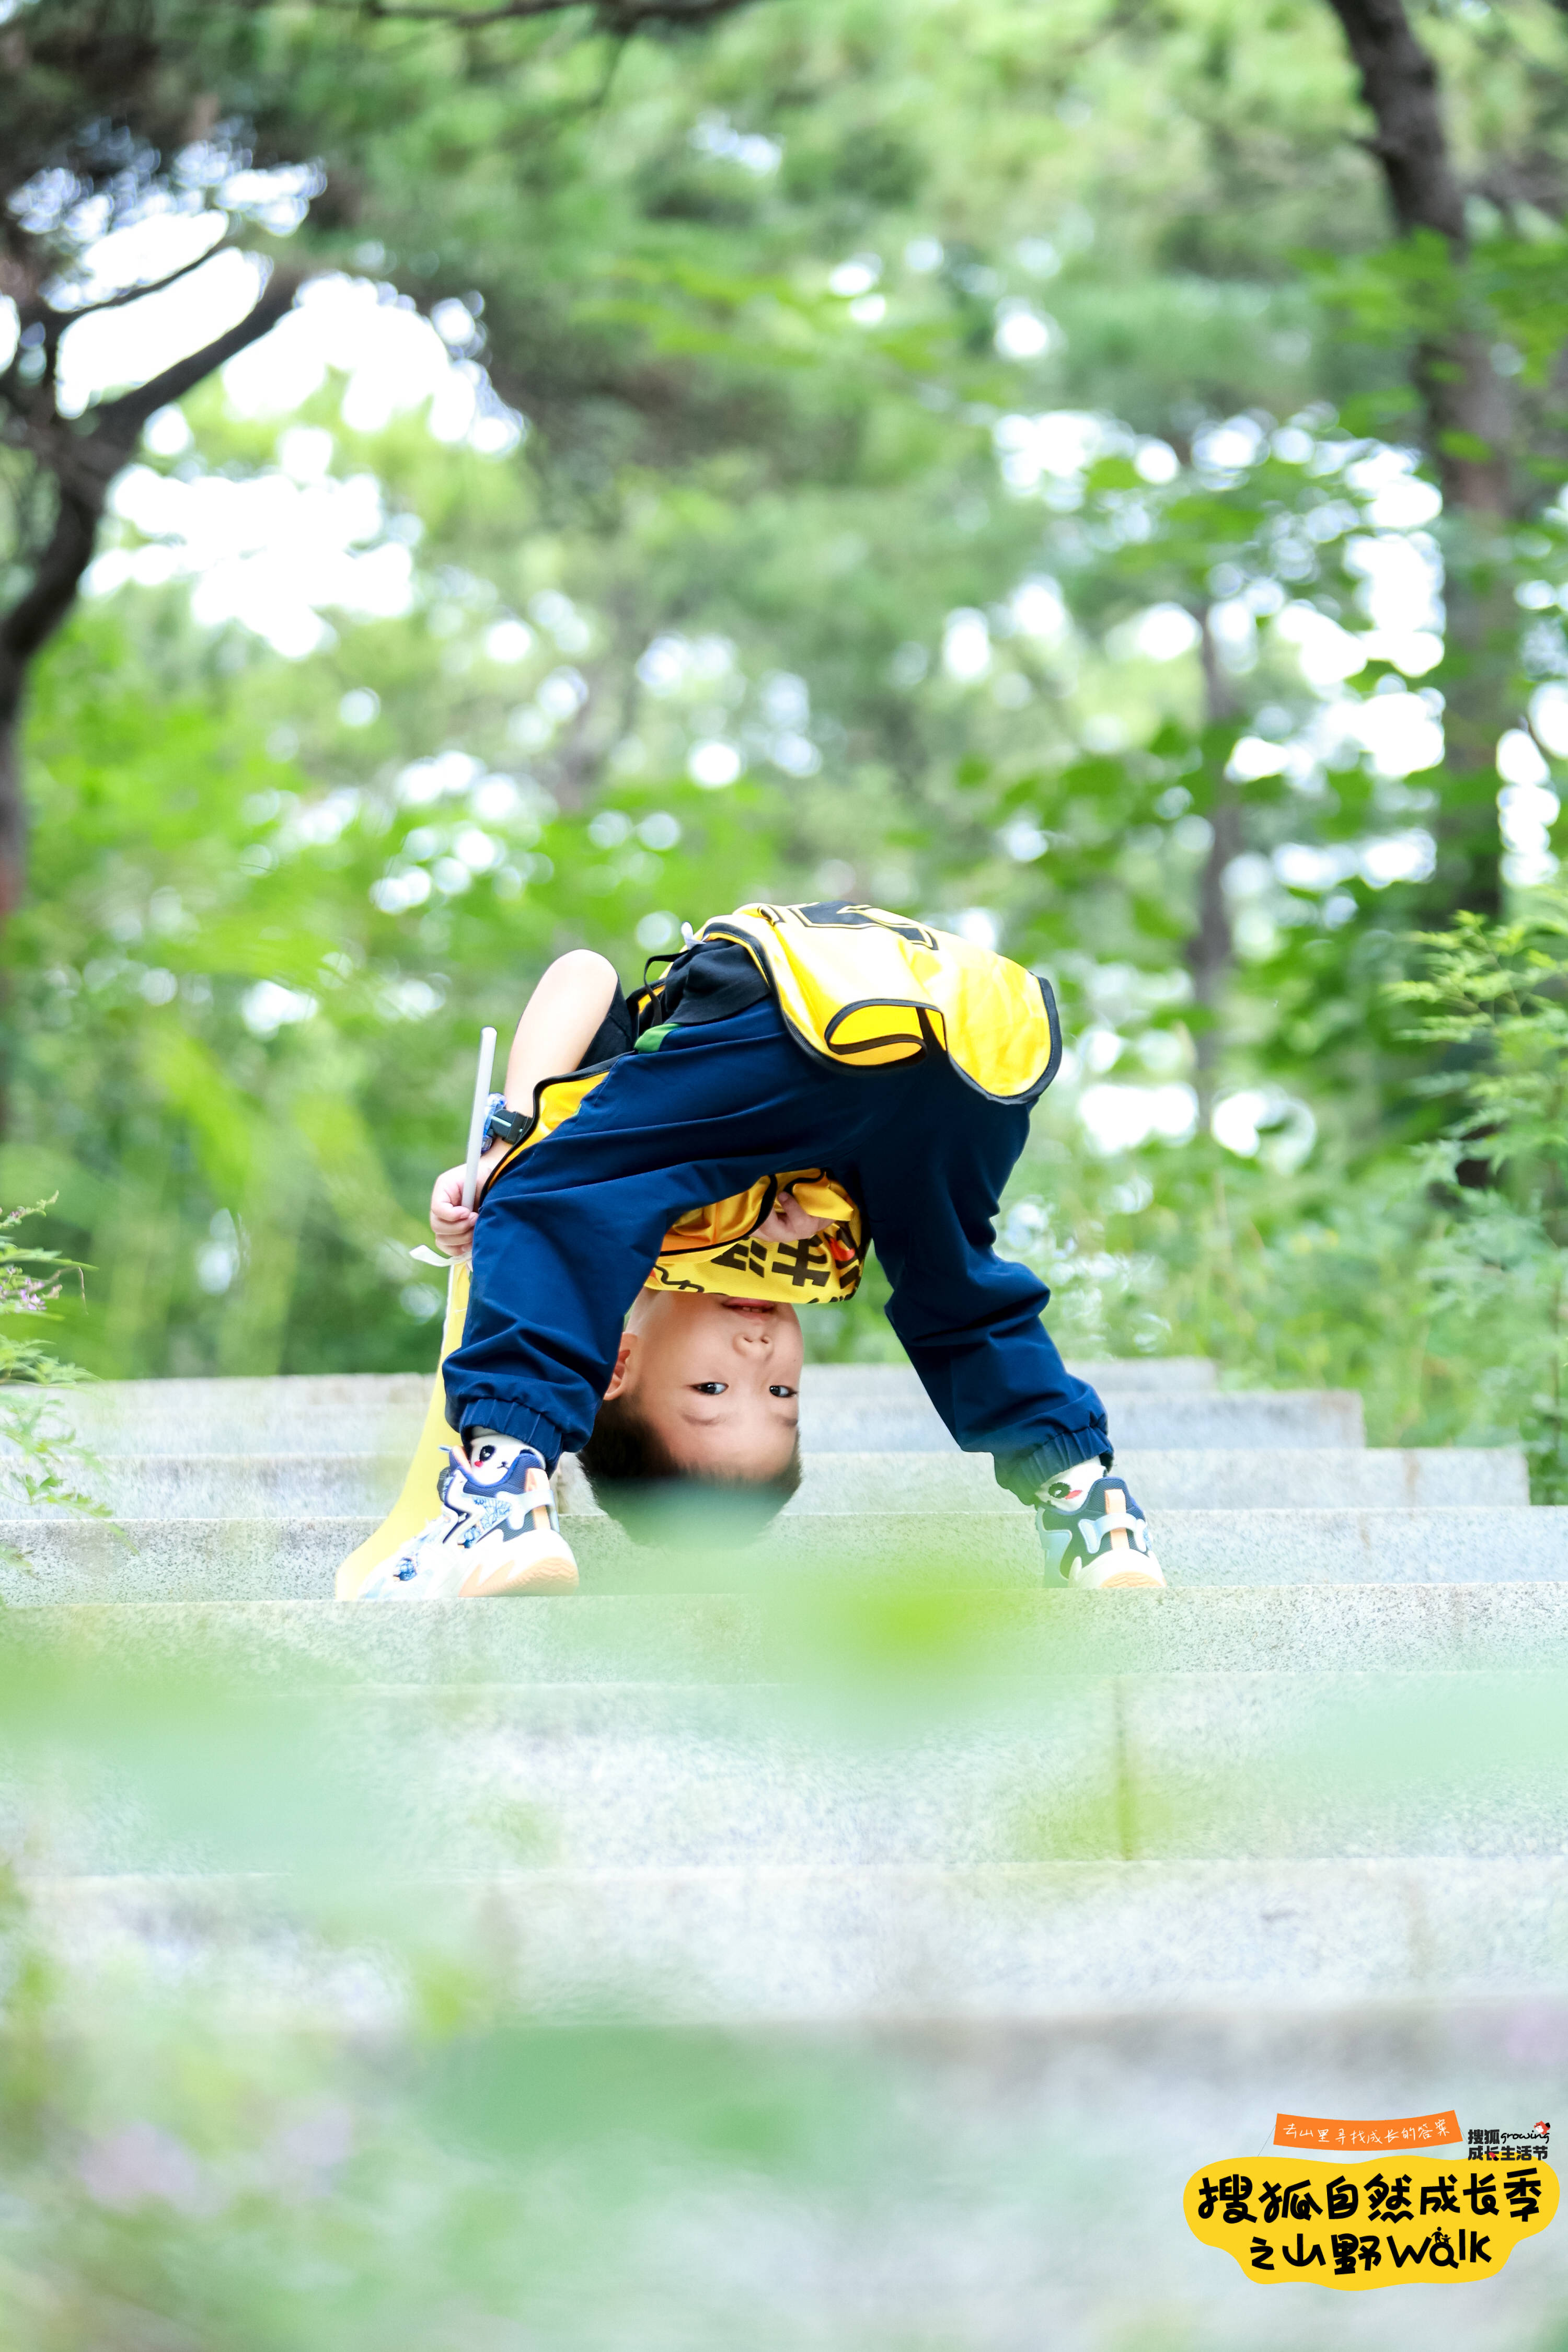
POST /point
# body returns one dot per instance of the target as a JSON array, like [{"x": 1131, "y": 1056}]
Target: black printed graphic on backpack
[{"x": 839, "y": 915}]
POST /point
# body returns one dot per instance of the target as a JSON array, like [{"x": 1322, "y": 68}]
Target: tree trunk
[
  {"x": 1478, "y": 682},
  {"x": 83, "y": 460},
  {"x": 1470, "y": 423},
  {"x": 1211, "y": 947},
  {"x": 27, "y": 626},
  {"x": 1465, "y": 401},
  {"x": 13, "y": 812}
]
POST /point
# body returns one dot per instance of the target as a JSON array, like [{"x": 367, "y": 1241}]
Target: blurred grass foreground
[{"x": 349, "y": 2009}]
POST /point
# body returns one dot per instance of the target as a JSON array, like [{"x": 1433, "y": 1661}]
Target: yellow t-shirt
[{"x": 716, "y": 1248}]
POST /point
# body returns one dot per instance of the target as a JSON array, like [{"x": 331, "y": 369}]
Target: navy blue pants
[{"x": 567, "y": 1235}]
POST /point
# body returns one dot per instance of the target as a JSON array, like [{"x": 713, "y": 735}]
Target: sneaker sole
[
  {"x": 1129, "y": 1577},
  {"x": 555, "y": 1573}
]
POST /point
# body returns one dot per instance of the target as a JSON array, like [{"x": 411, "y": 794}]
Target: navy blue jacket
[{"x": 567, "y": 1233}]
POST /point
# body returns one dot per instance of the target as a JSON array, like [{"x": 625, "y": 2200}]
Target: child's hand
[
  {"x": 786, "y": 1221},
  {"x": 452, "y": 1224}
]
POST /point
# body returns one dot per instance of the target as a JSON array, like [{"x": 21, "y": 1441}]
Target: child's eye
[
  {"x": 779, "y": 1389},
  {"x": 711, "y": 1387}
]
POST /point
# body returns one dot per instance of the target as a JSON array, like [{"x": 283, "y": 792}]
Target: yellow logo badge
[{"x": 1393, "y": 2221}]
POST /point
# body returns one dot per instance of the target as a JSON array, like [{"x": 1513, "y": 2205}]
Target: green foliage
[
  {"x": 36, "y": 1464},
  {"x": 1495, "y": 997},
  {"x": 253, "y": 1071},
  {"x": 29, "y": 1283},
  {"x": 1431, "y": 1276}
]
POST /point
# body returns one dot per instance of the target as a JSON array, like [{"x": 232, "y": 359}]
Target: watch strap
[{"x": 504, "y": 1126}]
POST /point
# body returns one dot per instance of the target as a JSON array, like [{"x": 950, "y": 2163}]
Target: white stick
[{"x": 477, "y": 1118}]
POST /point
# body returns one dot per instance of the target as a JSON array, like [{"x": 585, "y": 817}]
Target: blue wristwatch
[{"x": 503, "y": 1125}]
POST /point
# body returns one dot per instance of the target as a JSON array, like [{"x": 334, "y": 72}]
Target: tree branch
[
  {"x": 84, "y": 463},
  {"x": 126, "y": 416},
  {"x": 84, "y": 457},
  {"x": 134, "y": 293}
]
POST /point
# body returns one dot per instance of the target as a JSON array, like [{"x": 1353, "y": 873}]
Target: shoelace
[
  {"x": 1057, "y": 1537},
  {"x": 501, "y": 1500}
]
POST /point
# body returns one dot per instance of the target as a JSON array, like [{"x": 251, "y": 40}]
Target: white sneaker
[
  {"x": 490, "y": 1540},
  {"x": 1092, "y": 1532}
]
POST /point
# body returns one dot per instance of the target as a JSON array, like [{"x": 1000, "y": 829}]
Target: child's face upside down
[{"x": 717, "y": 1379}]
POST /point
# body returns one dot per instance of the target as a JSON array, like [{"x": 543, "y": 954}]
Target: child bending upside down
[{"x": 667, "y": 1172}]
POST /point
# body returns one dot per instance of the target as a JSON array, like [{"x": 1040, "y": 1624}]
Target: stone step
[
  {"x": 842, "y": 1410},
  {"x": 240, "y": 1560},
  {"x": 707, "y": 1638},
  {"x": 1123, "y": 1375},
  {"x": 1292, "y": 1418},
  {"x": 1178, "y": 1479},
  {"x": 306, "y": 1413},
  {"x": 277, "y": 1485},
  {"x": 616, "y": 1776},
  {"x": 892, "y": 1946}
]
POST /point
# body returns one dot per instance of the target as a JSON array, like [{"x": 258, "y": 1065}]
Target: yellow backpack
[{"x": 864, "y": 989}]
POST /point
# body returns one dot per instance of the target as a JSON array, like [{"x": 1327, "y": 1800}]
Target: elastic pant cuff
[
  {"x": 509, "y": 1420},
  {"x": 1024, "y": 1474}
]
